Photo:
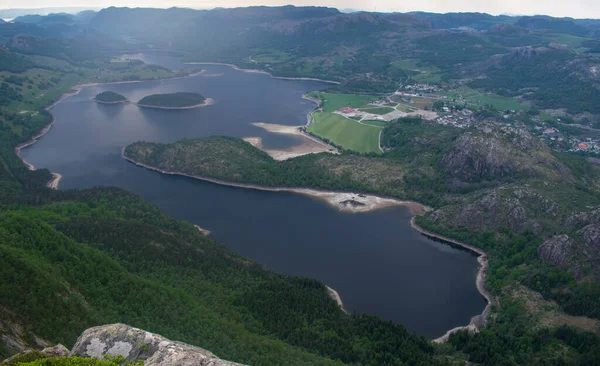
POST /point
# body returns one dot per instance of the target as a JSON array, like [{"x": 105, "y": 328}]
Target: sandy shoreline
[
  {"x": 202, "y": 231},
  {"x": 317, "y": 101},
  {"x": 257, "y": 71},
  {"x": 480, "y": 319},
  {"x": 207, "y": 102},
  {"x": 343, "y": 201},
  {"x": 311, "y": 145},
  {"x": 55, "y": 180},
  {"x": 53, "y": 183},
  {"x": 336, "y": 297}
]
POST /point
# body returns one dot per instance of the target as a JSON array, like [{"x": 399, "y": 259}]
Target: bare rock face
[
  {"x": 136, "y": 344},
  {"x": 584, "y": 218},
  {"x": 578, "y": 254},
  {"x": 497, "y": 151},
  {"x": 490, "y": 212},
  {"x": 473, "y": 157},
  {"x": 591, "y": 236},
  {"x": 559, "y": 251}
]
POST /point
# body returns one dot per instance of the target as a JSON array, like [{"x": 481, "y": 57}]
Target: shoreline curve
[
  {"x": 482, "y": 258},
  {"x": 56, "y": 177},
  {"x": 258, "y": 71},
  {"x": 416, "y": 208}
]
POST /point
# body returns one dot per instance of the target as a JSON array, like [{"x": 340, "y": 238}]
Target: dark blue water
[{"x": 378, "y": 264}]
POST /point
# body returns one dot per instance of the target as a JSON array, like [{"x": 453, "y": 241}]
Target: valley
[{"x": 326, "y": 145}]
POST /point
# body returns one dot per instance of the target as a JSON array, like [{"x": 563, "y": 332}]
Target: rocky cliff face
[
  {"x": 490, "y": 212},
  {"x": 518, "y": 209},
  {"x": 498, "y": 151},
  {"x": 136, "y": 344},
  {"x": 577, "y": 252},
  {"x": 561, "y": 251}
]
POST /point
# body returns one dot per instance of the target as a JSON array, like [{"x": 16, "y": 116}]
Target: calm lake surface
[{"x": 377, "y": 263}]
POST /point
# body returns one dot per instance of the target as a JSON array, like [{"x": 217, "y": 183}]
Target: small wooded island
[
  {"x": 181, "y": 100},
  {"x": 110, "y": 97}
]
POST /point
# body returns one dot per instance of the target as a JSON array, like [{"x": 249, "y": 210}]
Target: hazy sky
[{"x": 572, "y": 8}]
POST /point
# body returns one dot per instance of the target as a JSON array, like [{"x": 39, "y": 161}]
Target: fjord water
[{"x": 377, "y": 263}]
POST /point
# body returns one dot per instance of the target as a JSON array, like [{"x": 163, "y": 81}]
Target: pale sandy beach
[
  {"x": 55, "y": 180},
  {"x": 335, "y": 296},
  {"x": 202, "y": 231}
]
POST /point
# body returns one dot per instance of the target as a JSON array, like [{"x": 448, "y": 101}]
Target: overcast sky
[{"x": 572, "y": 8}]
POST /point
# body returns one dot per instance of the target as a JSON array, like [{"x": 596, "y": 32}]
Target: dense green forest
[{"x": 173, "y": 100}]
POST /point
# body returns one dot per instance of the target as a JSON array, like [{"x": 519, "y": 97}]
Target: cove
[{"x": 375, "y": 260}]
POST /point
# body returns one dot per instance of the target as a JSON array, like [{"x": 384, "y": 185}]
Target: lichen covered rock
[{"x": 136, "y": 344}]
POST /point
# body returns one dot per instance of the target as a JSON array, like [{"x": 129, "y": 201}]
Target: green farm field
[
  {"x": 378, "y": 110},
  {"x": 333, "y": 102},
  {"x": 346, "y": 133}
]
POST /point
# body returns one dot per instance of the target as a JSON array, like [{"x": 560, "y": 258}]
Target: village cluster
[
  {"x": 418, "y": 89},
  {"x": 457, "y": 116},
  {"x": 461, "y": 119},
  {"x": 555, "y": 138}
]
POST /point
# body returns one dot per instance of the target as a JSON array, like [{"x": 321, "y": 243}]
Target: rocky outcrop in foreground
[{"x": 136, "y": 344}]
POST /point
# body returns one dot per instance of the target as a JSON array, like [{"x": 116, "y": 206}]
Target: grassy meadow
[{"x": 346, "y": 133}]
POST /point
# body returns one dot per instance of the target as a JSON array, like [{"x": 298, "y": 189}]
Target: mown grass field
[
  {"x": 346, "y": 133},
  {"x": 378, "y": 110},
  {"x": 333, "y": 102}
]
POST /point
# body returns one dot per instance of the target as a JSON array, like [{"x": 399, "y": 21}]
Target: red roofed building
[
  {"x": 583, "y": 146},
  {"x": 346, "y": 110}
]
